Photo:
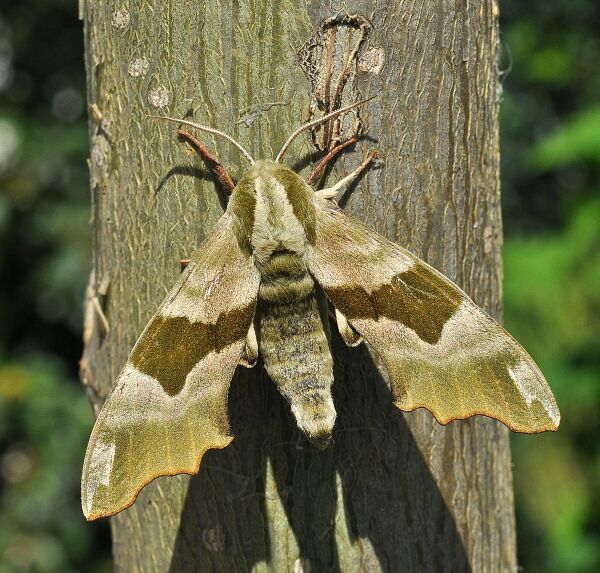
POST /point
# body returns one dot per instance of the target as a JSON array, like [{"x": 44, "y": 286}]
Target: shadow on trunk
[{"x": 387, "y": 487}]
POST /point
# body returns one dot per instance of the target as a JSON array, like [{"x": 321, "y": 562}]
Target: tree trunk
[{"x": 395, "y": 492}]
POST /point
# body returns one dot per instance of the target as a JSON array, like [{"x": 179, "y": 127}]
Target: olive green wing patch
[
  {"x": 441, "y": 351},
  {"x": 169, "y": 404}
]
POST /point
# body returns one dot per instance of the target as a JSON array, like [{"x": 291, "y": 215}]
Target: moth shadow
[
  {"x": 223, "y": 525},
  {"x": 390, "y": 496},
  {"x": 196, "y": 173},
  {"x": 270, "y": 476},
  {"x": 305, "y": 160}
]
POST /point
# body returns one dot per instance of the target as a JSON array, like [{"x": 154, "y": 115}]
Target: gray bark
[{"x": 395, "y": 492}]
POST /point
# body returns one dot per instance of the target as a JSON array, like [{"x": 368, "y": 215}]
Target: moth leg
[
  {"x": 250, "y": 353},
  {"x": 100, "y": 314},
  {"x": 331, "y": 192},
  {"x": 318, "y": 170},
  {"x": 219, "y": 171},
  {"x": 348, "y": 334}
]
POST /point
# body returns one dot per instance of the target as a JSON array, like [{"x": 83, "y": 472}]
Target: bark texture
[{"x": 395, "y": 492}]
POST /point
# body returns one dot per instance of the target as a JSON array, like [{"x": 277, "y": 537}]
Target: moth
[{"x": 279, "y": 260}]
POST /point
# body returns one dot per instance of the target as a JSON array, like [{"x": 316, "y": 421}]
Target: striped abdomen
[{"x": 293, "y": 344}]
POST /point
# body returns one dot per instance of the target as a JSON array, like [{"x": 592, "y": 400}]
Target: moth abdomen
[{"x": 294, "y": 345}]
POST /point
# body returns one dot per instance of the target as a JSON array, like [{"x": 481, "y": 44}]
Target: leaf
[{"x": 577, "y": 139}]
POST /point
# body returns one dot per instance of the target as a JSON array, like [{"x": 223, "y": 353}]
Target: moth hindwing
[{"x": 261, "y": 285}]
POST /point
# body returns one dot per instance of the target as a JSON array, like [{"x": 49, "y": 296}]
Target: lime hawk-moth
[{"x": 279, "y": 260}]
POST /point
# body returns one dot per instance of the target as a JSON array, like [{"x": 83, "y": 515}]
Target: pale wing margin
[
  {"x": 169, "y": 404},
  {"x": 441, "y": 351}
]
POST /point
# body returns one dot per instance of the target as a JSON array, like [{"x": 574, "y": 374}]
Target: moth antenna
[
  {"x": 208, "y": 130},
  {"x": 317, "y": 122}
]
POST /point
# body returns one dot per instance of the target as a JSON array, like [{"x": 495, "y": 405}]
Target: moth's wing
[
  {"x": 441, "y": 351},
  {"x": 169, "y": 404}
]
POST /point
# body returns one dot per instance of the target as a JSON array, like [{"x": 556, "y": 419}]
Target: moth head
[
  {"x": 280, "y": 188},
  {"x": 274, "y": 173}
]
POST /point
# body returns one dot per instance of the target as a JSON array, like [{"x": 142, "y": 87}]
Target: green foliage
[
  {"x": 578, "y": 139},
  {"x": 44, "y": 261},
  {"x": 42, "y": 528},
  {"x": 551, "y": 155},
  {"x": 552, "y": 305}
]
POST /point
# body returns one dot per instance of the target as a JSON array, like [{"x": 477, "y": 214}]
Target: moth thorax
[{"x": 277, "y": 226}]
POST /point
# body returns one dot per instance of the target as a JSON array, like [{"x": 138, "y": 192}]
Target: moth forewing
[
  {"x": 441, "y": 351},
  {"x": 169, "y": 404}
]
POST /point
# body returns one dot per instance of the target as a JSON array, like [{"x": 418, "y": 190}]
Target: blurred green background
[{"x": 550, "y": 166}]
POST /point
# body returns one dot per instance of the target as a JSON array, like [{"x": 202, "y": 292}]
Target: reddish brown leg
[
  {"x": 316, "y": 172},
  {"x": 217, "y": 168}
]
